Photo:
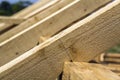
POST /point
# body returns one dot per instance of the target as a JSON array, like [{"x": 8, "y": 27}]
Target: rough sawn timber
[
  {"x": 87, "y": 71},
  {"x": 85, "y": 39},
  {"x": 31, "y": 36},
  {"x": 33, "y": 20},
  {"x": 11, "y": 20},
  {"x": 27, "y": 24},
  {"x": 38, "y": 7}
]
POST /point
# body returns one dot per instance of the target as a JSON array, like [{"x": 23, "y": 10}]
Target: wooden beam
[
  {"x": 85, "y": 39},
  {"x": 4, "y": 27},
  {"x": 112, "y": 55},
  {"x": 29, "y": 14},
  {"x": 87, "y": 71},
  {"x": 11, "y": 20},
  {"x": 40, "y": 16},
  {"x": 113, "y": 67},
  {"x": 26, "y": 13},
  {"x": 30, "y": 37},
  {"x": 108, "y": 57},
  {"x": 30, "y": 22},
  {"x": 112, "y": 60},
  {"x": 34, "y": 8}
]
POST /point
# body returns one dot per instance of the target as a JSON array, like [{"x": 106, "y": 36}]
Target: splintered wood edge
[{"x": 82, "y": 71}]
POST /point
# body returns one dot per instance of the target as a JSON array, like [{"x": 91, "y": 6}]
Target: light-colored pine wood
[
  {"x": 11, "y": 20},
  {"x": 99, "y": 58},
  {"x": 87, "y": 71},
  {"x": 44, "y": 29},
  {"x": 112, "y": 60},
  {"x": 26, "y": 24},
  {"x": 29, "y": 12},
  {"x": 5, "y": 27},
  {"x": 45, "y": 61},
  {"x": 108, "y": 57},
  {"x": 112, "y": 55},
  {"x": 113, "y": 67},
  {"x": 35, "y": 8},
  {"x": 40, "y": 16}
]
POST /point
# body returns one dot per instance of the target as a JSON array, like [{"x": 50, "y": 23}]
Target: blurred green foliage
[
  {"x": 7, "y": 9},
  {"x": 115, "y": 49}
]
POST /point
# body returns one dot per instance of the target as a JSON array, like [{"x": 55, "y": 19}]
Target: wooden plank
[
  {"x": 45, "y": 61},
  {"x": 27, "y": 14},
  {"x": 119, "y": 74},
  {"x": 112, "y": 55},
  {"x": 87, "y": 71},
  {"x": 47, "y": 12},
  {"x": 108, "y": 57},
  {"x": 99, "y": 58},
  {"x": 112, "y": 60},
  {"x": 11, "y": 20},
  {"x": 4, "y": 27},
  {"x": 29, "y": 38},
  {"x": 34, "y": 8},
  {"x": 113, "y": 67},
  {"x": 33, "y": 20}
]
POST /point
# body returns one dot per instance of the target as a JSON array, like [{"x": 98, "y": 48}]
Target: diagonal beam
[
  {"x": 82, "y": 42},
  {"x": 11, "y": 20},
  {"x": 26, "y": 14},
  {"x": 29, "y": 38}
]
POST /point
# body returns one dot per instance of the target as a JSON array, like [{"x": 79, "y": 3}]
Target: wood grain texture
[
  {"x": 30, "y": 37},
  {"x": 112, "y": 55},
  {"x": 87, "y": 71},
  {"x": 11, "y": 20},
  {"x": 26, "y": 13},
  {"x": 31, "y": 9},
  {"x": 8, "y": 22},
  {"x": 4, "y": 27},
  {"x": 45, "y": 61},
  {"x": 108, "y": 58},
  {"x": 112, "y": 60},
  {"x": 38, "y": 17},
  {"x": 113, "y": 67},
  {"x": 32, "y": 21}
]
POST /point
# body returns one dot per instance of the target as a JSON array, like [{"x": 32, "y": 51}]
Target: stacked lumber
[
  {"x": 68, "y": 30},
  {"x": 110, "y": 60}
]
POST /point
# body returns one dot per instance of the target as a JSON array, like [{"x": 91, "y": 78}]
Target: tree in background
[
  {"x": 20, "y": 5},
  {"x": 7, "y": 9}
]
